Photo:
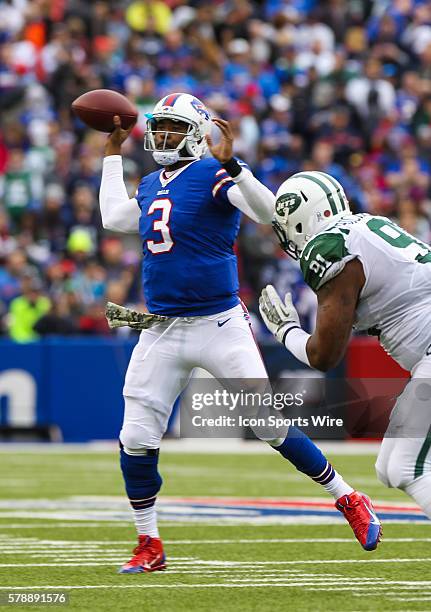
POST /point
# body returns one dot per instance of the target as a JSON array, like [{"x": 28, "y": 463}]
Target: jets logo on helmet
[
  {"x": 306, "y": 204},
  {"x": 287, "y": 203},
  {"x": 187, "y": 109}
]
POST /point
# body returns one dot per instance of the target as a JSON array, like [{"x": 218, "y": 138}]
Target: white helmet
[
  {"x": 179, "y": 107},
  {"x": 305, "y": 204}
]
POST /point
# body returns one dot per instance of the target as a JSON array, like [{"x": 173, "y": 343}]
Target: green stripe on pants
[{"x": 420, "y": 461}]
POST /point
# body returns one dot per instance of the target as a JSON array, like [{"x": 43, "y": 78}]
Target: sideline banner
[{"x": 76, "y": 383}]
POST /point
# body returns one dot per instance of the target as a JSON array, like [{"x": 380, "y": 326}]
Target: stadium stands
[{"x": 344, "y": 87}]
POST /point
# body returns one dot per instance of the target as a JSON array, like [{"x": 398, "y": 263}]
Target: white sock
[
  {"x": 146, "y": 521},
  {"x": 337, "y": 487},
  {"x": 420, "y": 490}
]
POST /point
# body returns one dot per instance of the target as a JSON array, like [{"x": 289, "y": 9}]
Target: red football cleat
[
  {"x": 148, "y": 557},
  {"x": 359, "y": 512}
]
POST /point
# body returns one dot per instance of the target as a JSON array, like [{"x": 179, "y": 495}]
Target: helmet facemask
[
  {"x": 191, "y": 147},
  {"x": 306, "y": 204},
  {"x": 291, "y": 236},
  {"x": 288, "y": 246}
]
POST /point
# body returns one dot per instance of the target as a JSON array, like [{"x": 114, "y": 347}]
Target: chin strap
[
  {"x": 166, "y": 158},
  {"x": 169, "y": 158}
]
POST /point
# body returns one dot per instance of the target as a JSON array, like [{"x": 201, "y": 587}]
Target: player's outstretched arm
[
  {"x": 337, "y": 301},
  {"x": 248, "y": 195},
  {"x": 119, "y": 212}
]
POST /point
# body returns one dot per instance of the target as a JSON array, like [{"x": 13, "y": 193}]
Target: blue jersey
[{"x": 188, "y": 228}]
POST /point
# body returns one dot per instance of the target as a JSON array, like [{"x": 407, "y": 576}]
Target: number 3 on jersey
[{"x": 161, "y": 225}]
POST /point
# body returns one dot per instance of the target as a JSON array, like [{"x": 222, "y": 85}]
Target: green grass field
[{"x": 64, "y": 524}]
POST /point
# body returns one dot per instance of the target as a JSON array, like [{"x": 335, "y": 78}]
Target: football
[{"x": 97, "y": 108}]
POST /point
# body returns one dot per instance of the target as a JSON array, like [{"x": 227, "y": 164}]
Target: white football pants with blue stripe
[
  {"x": 162, "y": 362},
  {"x": 404, "y": 459}
]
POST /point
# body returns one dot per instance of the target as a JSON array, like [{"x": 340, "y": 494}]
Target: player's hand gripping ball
[{"x": 97, "y": 109}]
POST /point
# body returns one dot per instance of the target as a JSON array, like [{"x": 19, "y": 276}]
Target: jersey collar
[{"x": 164, "y": 179}]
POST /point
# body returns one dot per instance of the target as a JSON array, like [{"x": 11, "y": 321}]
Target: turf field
[{"x": 64, "y": 524}]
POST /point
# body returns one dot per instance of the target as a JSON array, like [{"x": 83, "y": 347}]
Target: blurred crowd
[{"x": 342, "y": 86}]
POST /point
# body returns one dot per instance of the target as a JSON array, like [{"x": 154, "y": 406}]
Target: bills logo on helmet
[
  {"x": 287, "y": 202},
  {"x": 200, "y": 108}
]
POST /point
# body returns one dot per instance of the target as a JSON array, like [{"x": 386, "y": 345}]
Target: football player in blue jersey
[{"x": 188, "y": 216}]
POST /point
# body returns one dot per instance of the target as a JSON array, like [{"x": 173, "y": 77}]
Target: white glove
[
  {"x": 278, "y": 317},
  {"x": 120, "y": 316}
]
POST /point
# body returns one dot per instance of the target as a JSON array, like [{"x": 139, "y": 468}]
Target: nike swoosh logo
[
  {"x": 221, "y": 323},
  {"x": 309, "y": 254},
  {"x": 375, "y": 520}
]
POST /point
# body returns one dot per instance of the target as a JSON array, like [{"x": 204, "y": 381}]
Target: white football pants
[
  {"x": 404, "y": 460},
  {"x": 162, "y": 362}
]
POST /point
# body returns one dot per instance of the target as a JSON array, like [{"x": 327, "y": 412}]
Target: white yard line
[
  {"x": 89, "y": 544},
  {"x": 404, "y": 591},
  {"x": 86, "y": 524},
  {"x": 218, "y": 521},
  {"x": 412, "y": 598},
  {"x": 91, "y": 524},
  {"x": 289, "y": 541},
  {"x": 186, "y": 586},
  {"x": 248, "y": 564},
  {"x": 190, "y": 445},
  {"x": 253, "y": 564}
]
